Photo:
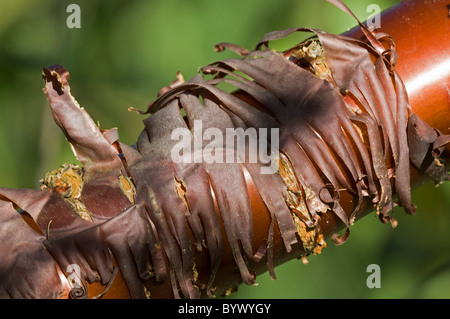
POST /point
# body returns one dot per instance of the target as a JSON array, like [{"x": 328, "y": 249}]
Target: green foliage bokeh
[{"x": 125, "y": 51}]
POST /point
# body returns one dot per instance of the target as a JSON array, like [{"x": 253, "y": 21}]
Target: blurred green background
[{"x": 125, "y": 51}]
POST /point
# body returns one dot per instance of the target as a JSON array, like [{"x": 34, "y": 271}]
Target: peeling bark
[{"x": 345, "y": 124}]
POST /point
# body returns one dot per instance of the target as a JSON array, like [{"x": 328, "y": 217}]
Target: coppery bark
[{"x": 345, "y": 126}]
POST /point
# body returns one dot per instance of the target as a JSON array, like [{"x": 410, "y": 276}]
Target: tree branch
[{"x": 120, "y": 209}]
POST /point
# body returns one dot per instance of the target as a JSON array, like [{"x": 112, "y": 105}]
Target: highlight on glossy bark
[{"x": 344, "y": 123}]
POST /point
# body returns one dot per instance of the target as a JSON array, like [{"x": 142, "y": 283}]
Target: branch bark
[
  {"x": 60, "y": 215},
  {"x": 417, "y": 29}
]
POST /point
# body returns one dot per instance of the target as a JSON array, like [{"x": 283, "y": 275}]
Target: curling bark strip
[{"x": 346, "y": 127}]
